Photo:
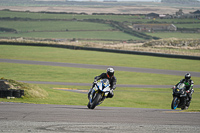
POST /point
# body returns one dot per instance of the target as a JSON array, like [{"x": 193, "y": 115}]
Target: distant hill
[{"x": 181, "y": 1}]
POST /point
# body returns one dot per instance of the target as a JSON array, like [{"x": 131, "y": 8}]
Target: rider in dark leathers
[
  {"x": 110, "y": 76},
  {"x": 189, "y": 86}
]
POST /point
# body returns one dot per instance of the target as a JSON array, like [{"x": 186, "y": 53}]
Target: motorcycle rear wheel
[{"x": 175, "y": 103}]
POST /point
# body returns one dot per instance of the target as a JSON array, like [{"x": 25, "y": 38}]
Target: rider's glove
[
  {"x": 192, "y": 91},
  {"x": 111, "y": 91},
  {"x": 95, "y": 82},
  {"x": 188, "y": 91}
]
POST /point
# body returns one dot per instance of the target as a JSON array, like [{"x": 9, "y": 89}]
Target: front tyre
[
  {"x": 88, "y": 105},
  {"x": 175, "y": 103},
  {"x": 184, "y": 108},
  {"x": 95, "y": 101}
]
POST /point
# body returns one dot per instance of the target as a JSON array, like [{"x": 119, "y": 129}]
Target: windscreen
[
  {"x": 105, "y": 82},
  {"x": 181, "y": 85}
]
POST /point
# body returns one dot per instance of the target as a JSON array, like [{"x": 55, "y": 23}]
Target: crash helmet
[
  {"x": 187, "y": 76},
  {"x": 110, "y": 72}
]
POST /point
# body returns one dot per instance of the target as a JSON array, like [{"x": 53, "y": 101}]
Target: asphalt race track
[{"x": 24, "y": 118}]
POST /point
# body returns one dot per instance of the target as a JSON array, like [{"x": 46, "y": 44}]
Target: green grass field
[
  {"x": 81, "y": 75},
  {"x": 75, "y": 34},
  {"x": 119, "y": 18},
  {"x": 93, "y": 57},
  {"x": 159, "y": 98},
  {"x": 124, "y": 97},
  {"x": 24, "y": 26},
  {"x": 41, "y": 27},
  {"x": 187, "y": 25}
]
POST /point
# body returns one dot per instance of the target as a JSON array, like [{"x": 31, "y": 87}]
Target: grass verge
[
  {"x": 159, "y": 98},
  {"x": 93, "y": 57},
  {"x": 23, "y": 72}
]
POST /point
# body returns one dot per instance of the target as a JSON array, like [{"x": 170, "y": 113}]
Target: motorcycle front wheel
[
  {"x": 175, "y": 103},
  {"x": 95, "y": 101}
]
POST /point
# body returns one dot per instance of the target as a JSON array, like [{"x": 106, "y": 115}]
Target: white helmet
[
  {"x": 187, "y": 76},
  {"x": 110, "y": 72}
]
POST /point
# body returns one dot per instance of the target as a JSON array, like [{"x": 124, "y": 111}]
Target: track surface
[{"x": 19, "y": 117}]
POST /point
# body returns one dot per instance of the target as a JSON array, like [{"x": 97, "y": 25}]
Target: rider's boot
[
  {"x": 102, "y": 100},
  {"x": 188, "y": 102}
]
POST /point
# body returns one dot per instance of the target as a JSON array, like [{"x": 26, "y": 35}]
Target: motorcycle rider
[
  {"x": 189, "y": 86},
  {"x": 112, "y": 79}
]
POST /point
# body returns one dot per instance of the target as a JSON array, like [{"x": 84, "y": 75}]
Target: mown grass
[
  {"x": 159, "y": 98},
  {"x": 98, "y": 58},
  {"x": 81, "y": 75}
]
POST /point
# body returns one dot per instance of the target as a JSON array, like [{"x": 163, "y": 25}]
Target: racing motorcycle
[
  {"x": 99, "y": 93},
  {"x": 180, "y": 98}
]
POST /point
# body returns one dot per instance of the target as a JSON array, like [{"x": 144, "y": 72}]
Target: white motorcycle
[{"x": 99, "y": 92}]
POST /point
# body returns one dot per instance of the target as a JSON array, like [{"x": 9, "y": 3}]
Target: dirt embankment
[{"x": 11, "y": 88}]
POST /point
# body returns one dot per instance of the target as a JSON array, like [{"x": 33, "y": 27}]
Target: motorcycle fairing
[{"x": 103, "y": 86}]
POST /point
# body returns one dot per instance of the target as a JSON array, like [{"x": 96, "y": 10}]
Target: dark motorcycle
[{"x": 180, "y": 98}]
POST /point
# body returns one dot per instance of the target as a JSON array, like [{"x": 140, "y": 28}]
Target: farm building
[
  {"x": 152, "y": 15},
  {"x": 196, "y": 12},
  {"x": 154, "y": 27}
]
